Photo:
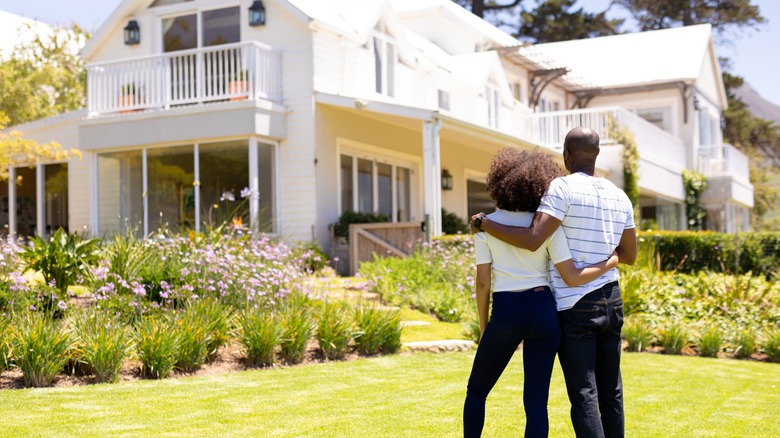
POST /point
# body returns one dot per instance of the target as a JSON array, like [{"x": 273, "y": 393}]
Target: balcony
[
  {"x": 723, "y": 160},
  {"x": 240, "y": 71}
]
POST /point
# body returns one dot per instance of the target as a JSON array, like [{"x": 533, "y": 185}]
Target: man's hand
[{"x": 475, "y": 230}]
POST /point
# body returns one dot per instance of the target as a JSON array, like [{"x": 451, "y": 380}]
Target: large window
[
  {"x": 219, "y": 26},
  {"x": 56, "y": 197},
  {"x": 660, "y": 117},
  {"x": 493, "y": 104},
  {"x": 382, "y": 186},
  {"x": 186, "y": 187},
  {"x": 26, "y": 207}
]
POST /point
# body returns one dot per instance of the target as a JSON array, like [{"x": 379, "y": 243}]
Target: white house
[{"x": 326, "y": 106}]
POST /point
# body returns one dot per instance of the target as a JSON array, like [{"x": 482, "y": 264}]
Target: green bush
[
  {"x": 451, "y": 223},
  {"x": 217, "y": 320},
  {"x": 377, "y": 330},
  {"x": 6, "y": 339},
  {"x": 771, "y": 345},
  {"x": 745, "y": 344},
  {"x": 297, "y": 330},
  {"x": 710, "y": 342},
  {"x": 192, "y": 334},
  {"x": 673, "y": 337},
  {"x": 313, "y": 259},
  {"x": 341, "y": 228},
  {"x": 41, "y": 349},
  {"x": 260, "y": 332},
  {"x": 62, "y": 258},
  {"x": 156, "y": 345},
  {"x": 334, "y": 329},
  {"x": 102, "y": 342},
  {"x": 638, "y": 333}
]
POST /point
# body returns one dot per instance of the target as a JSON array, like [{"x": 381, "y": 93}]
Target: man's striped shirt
[{"x": 593, "y": 214}]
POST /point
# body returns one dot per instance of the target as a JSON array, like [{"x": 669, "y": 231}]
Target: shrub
[
  {"x": 260, "y": 333},
  {"x": 191, "y": 331},
  {"x": 102, "y": 342},
  {"x": 6, "y": 352},
  {"x": 297, "y": 330},
  {"x": 771, "y": 345},
  {"x": 216, "y": 319},
  {"x": 334, "y": 329},
  {"x": 62, "y": 259},
  {"x": 312, "y": 258},
  {"x": 378, "y": 330},
  {"x": 451, "y": 223},
  {"x": 41, "y": 349},
  {"x": 745, "y": 343},
  {"x": 638, "y": 333},
  {"x": 710, "y": 342},
  {"x": 156, "y": 345},
  {"x": 673, "y": 337},
  {"x": 341, "y": 228}
]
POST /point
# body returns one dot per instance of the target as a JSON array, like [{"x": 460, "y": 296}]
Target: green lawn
[{"x": 417, "y": 395}]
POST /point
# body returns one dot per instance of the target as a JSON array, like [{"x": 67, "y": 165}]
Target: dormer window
[
  {"x": 217, "y": 26},
  {"x": 385, "y": 56},
  {"x": 493, "y": 104}
]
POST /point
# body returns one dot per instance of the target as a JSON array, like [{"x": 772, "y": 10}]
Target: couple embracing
[{"x": 548, "y": 255}]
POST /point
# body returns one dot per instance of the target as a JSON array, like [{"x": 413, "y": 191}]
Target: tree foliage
[
  {"x": 44, "y": 77},
  {"x": 479, "y": 7},
  {"x": 18, "y": 151},
  {"x": 722, "y": 14},
  {"x": 556, "y": 20}
]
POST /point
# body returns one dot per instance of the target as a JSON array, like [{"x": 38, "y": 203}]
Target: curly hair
[{"x": 518, "y": 179}]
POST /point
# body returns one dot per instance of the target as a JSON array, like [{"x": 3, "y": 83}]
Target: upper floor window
[
  {"x": 517, "y": 91},
  {"x": 493, "y": 103},
  {"x": 202, "y": 29},
  {"x": 444, "y": 100},
  {"x": 660, "y": 117},
  {"x": 384, "y": 62},
  {"x": 708, "y": 129}
]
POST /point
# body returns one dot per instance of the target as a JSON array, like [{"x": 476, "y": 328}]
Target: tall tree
[
  {"x": 44, "y": 77},
  {"x": 479, "y": 7},
  {"x": 722, "y": 14},
  {"x": 556, "y": 20}
]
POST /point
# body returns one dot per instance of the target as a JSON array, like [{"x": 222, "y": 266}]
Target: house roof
[{"x": 643, "y": 58}]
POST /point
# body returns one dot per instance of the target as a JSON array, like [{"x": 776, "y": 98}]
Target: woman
[{"x": 524, "y": 308}]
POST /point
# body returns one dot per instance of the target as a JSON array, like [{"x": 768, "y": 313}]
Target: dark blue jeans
[
  {"x": 590, "y": 359},
  {"x": 529, "y": 317}
]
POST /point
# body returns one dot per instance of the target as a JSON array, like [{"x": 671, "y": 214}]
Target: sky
[{"x": 753, "y": 52}]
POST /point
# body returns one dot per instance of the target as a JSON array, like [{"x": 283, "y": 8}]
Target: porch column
[
  {"x": 94, "y": 196},
  {"x": 432, "y": 175},
  {"x": 40, "y": 200},
  {"x": 12, "y": 202},
  {"x": 254, "y": 186}
]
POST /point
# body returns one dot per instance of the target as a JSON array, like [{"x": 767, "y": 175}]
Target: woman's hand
[{"x": 613, "y": 260}]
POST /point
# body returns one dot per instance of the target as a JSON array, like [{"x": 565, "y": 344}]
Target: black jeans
[
  {"x": 590, "y": 359},
  {"x": 529, "y": 317}
]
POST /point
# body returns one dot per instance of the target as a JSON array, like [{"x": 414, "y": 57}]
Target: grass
[
  {"x": 435, "y": 332},
  {"x": 419, "y": 395}
]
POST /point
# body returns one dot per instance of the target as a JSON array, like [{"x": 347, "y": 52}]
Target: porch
[{"x": 239, "y": 71}]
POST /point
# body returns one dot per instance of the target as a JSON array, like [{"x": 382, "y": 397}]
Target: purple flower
[{"x": 227, "y": 196}]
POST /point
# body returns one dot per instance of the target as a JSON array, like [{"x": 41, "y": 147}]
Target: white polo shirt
[
  {"x": 593, "y": 214},
  {"x": 513, "y": 268}
]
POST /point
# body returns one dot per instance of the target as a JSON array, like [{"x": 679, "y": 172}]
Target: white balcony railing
[
  {"x": 247, "y": 70},
  {"x": 723, "y": 160},
  {"x": 549, "y": 129}
]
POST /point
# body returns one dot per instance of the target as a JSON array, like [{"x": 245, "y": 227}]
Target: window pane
[
  {"x": 365, "y": 186},
  {"x": 26, "y": 210},
  {"x": 390, "y": 61},
  {"x": 478, "y": 198},
  {"x": 224, "y": 173},
  {"x": 4, "y": 208},
  {"x": 180, "y": 33},
  {"x": 56, "y": 190},
  {"x": 265, "y": 167},
  {"x": 221, "y": 26},
  {"x": 120, "y": 189},
  {"x": 171, "y": 172},
  {"x": 384, "y": 182},
  {"x": 402, "y": 181},
  {"x": 346, "y": 183},
  {"x": 378, "y": 64}
]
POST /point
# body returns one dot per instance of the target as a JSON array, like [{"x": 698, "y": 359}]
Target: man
[{"x": 597, "y": 218}]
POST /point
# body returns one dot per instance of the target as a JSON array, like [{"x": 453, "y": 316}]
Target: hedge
[{"x": 693, "y": 251}]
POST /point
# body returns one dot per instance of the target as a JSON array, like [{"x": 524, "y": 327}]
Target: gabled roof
[{"x": 643, "y": 58}]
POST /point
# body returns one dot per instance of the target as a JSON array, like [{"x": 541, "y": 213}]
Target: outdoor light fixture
[
  {"x": 132, "y": 33},
  {"x": 696, "y": 105},
  {"x": 446, "y": 180},
  {"x": 257, "y": 14}
]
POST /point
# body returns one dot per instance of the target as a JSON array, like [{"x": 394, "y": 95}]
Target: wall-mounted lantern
[
  {"x": 446, "y": 180},
  {"x": 696, "y": 104},
  {"x": 132, "y": 33},
  {"x": 257, "y": 14}
]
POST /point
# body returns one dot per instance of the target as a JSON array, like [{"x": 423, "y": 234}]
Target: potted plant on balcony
[
  {"x": 128, "y": 98},
  {"x": 238, "y": 85}
]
